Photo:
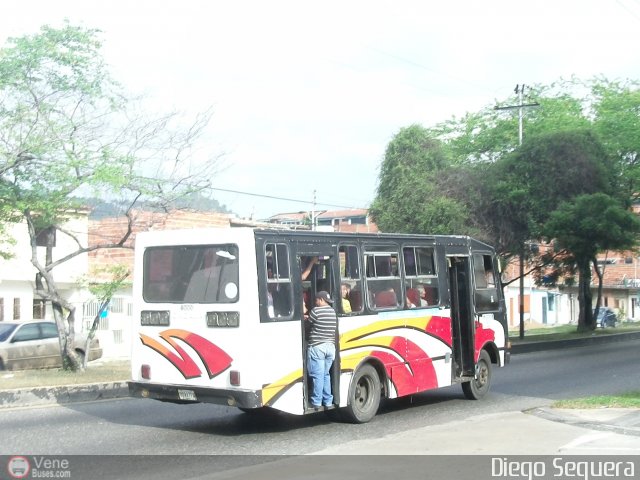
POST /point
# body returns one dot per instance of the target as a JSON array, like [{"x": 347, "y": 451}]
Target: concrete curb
[
  {"x": 527, "y": 347},
  {"x": 625, "y": 425},
  {"x": 29, "y": 397}
]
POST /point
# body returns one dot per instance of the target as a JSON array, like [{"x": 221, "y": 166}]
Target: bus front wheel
[
  {"x": 364, "y": 395},
  {"x": 479, "y": 386}
]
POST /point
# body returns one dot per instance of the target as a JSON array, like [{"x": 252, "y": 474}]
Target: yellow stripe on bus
[
  {"x": 359, "y": 337},
  {"x": 273, "y": 389},
  {"x": 419, "y": 323}
]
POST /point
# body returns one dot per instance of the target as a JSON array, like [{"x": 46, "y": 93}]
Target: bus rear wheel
[
  {"x": 479, "y": 386},
  {"x": 364, "y": 395}
]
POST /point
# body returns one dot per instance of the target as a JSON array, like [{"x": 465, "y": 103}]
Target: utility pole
[
  {"x": 519, "y": 90},
  {"x": 313, "y": 212}
]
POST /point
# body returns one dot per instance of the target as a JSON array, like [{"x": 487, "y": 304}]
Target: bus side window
[
  {"x": 421, "y": 280},
  {"x": 486, "y": 293},
  {"x": 383, "y": 278},
  {"x": 350, "y": 281},
  {"x": 279, "y": 291}
]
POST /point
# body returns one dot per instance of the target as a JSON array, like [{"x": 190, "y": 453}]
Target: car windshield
[{"x": 5, "y": 330}]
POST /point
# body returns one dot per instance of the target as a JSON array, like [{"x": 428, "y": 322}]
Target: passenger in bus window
[
  {"x": 321, "y": 350},
  {"x": 307, "y": 270},
  {"x": 270, "y": 309},
  {"x": 423, "y": 296},
  {"x": 410, "y": 304},
  {"x": 488, "y": 276},
  {"x": 345, "y": 290}
]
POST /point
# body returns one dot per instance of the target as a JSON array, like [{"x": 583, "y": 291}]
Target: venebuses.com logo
[{"x": 20, "y": 466}]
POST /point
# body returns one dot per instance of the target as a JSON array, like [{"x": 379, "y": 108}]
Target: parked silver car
[{"x": 34, "y": 344}]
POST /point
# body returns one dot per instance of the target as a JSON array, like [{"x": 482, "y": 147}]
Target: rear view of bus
[{"x": 189, "y": 312}]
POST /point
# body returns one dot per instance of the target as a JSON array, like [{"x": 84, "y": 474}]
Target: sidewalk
[{"x": 544, "y": 431}]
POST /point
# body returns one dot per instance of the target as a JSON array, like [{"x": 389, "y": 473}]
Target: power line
[
  {"x": 274, "y": 197},
  {"x": 261, "y": 195},
  {"x": 628, "y": 9},
  {"x": 519, "y": 90}
]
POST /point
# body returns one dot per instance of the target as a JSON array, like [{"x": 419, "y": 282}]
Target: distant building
[
  {"x": 355, "y": 220},
  {"x": 291, "y": 219}
]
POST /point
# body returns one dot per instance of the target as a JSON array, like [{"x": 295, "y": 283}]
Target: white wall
[{"x": 17, "y": 274}]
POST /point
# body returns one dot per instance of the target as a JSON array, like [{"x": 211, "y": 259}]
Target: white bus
[{"x": 220, "y": 316}]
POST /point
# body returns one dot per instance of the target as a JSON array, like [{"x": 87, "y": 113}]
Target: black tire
[
  {"x": 253, "y": 411},
  {"x": 364, "y": 395},
  {"x": 479, "y": 386}
]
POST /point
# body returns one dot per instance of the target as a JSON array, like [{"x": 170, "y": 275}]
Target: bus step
[{"x": 320, "y": 409}]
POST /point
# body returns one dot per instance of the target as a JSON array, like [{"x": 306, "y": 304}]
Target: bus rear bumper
[{"x": 189, "y": 394}]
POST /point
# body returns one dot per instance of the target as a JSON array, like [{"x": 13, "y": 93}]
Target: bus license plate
[{"x": 187, "y": 395}]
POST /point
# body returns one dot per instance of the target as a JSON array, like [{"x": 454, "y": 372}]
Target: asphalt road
[{"x": 147, "y": 427}]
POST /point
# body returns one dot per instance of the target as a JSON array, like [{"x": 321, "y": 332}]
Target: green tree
[
  {"x": 550, "y": 168},
  {"x": 585, "y": 226},
  {"x": 103, "y": 291},
  {"x": 67, "y": 132},
  {"x": 616, "y": 114},
  {"x": 409, "y": 198},
  {"x": 582, "y": 138}
]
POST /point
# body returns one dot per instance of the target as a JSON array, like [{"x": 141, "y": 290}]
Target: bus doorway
[
  {"x": 317, "y": 274},
  {"x": 462, "y": 320}
]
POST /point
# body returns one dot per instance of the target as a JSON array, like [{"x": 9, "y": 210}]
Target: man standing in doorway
[{"x": 321, "y": 349}]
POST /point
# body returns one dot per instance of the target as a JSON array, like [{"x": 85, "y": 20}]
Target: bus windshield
[{"x": 191, "y": 274}]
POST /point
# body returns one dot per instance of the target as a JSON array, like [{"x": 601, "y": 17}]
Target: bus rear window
[{"x": 191, "y": 274}]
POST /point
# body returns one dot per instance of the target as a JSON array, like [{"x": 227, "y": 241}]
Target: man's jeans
[{"x": 319, "y": 361}]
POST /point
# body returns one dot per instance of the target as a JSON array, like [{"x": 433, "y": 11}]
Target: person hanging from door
[
  {"x": 321, "y": 349},
  {"x": 304, "y": 274}
]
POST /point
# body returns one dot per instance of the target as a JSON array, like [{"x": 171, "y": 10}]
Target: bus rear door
[
  {"x": 462, "y": 317},
  {"x": 318, "y": 271}
]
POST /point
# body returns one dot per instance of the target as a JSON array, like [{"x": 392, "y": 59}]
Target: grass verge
[
  {"x": 623, "y": 400},
  {"x": 97, "y": 371},
  {"x": 567, "y": 332}
]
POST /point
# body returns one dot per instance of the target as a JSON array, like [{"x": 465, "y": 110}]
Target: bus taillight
[
  {"x": 145, "y": 372},
  {"x": 234, "y": 378}
]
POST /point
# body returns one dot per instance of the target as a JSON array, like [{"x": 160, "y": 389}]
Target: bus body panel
[{"x": 260, "y": 363}]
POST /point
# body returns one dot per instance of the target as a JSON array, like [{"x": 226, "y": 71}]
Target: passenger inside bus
[
  {"x": 413, "y": 298},
  {"x": 345, "y": 290},
  {"x": 306, "y": 290},
  {"x": 355, "y": 300},
  {"x": 386, "y": 298},
  {"x": 307, "y": 270}
]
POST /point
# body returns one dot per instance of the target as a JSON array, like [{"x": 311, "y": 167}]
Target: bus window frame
[
  {"x": 277, "y": 279},
  {"x": 434, "y": 279},
  {"x": 481, "y": 289},
  {"x": 380, "y": 250},
  {"x": 202, "y": 248},
  {"x": 359, "y": 280}
]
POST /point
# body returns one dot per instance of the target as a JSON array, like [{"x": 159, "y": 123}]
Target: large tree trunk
[
  {"x": 600, "y": 275},
  {"x": 47, "y": 289},
  {"x": 585, "y": 298},
  {"x": 66, "y": 335}
]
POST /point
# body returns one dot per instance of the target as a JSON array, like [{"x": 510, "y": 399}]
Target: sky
[{"x": 306, "y": 96}]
